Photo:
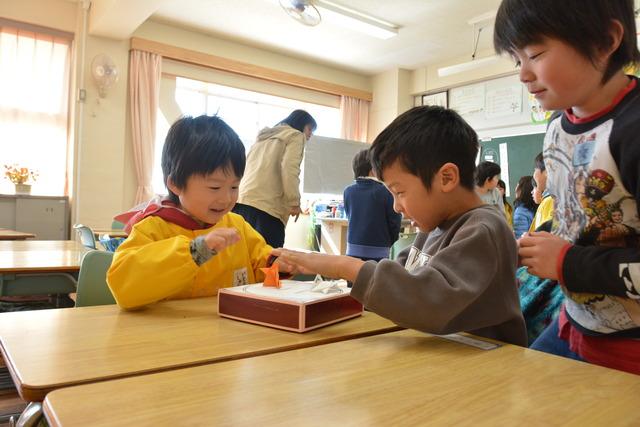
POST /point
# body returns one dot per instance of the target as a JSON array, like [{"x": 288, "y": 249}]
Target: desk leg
[{"x": 30, "y": 417}]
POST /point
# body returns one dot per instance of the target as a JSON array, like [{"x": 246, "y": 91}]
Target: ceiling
[{"x": 431, "y": 31}]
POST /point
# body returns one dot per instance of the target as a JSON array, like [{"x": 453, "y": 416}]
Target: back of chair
[
  {"x": 117, "y": 225},
  {"x": 404, "y": 240},
  {"x": 87, "y": 238},
  {"x": 92, "y": 280}
]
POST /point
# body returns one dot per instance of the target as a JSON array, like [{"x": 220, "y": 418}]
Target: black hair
[
  {"x": 539, "y": 162},
  {"x": 423, "y": 139},
  {"x": 485, "y": 171},
  {"x": 583, "y": 24},
  {"x": 502, "y": 185},
  {"x": 199, "y": 146},
  {"x": 524, "y": 188},
  {"x": 361, "y": 164},
  {"x": 298, "y": 119}
]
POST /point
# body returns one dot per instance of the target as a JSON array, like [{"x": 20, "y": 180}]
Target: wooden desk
[
  {"x": 40, "y": 256},
  {"x": 402, "y": 378},
  {"x": 111, "y": 232},
  {"x": 6, "y": 234},
  {"x": 48, "y": 349}
]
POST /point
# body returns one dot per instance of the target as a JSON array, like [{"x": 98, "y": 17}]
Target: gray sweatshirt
[{"x": 459, "y": 277}]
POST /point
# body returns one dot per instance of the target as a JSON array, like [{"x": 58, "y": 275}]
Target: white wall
[{"x": 391, "y": 97}]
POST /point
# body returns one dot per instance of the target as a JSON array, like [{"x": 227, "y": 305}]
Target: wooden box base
[{"x": 293, "y": 307}]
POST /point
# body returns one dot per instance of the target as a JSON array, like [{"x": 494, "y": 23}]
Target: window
[
  {"x": 245, "y": 111},
  {"x": 34, "y": 83}
]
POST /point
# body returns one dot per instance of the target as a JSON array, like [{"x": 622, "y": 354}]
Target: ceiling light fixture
[
  {"x": 355, "y": 20},
  {"x": 329, "y": 11},
  {"x": 478, "y": 23}
]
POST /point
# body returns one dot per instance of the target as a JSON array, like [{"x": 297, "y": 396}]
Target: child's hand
[
  {"x": 334, "y": 266},
  {"x": 539, "y": 251},
  {"x": 220, "y": 238}
]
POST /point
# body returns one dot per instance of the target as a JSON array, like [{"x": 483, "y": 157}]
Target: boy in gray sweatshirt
[{"x": 459, "y": 274}]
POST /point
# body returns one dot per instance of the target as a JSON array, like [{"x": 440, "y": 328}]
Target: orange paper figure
[{"x": 272, "y": 276}]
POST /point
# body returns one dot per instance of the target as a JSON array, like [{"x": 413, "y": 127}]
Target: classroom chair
[
  {"x": 92, "y": 281},
  {"x": 404, "y": 240},
  {"x": 117, "y": 225},
  {"x": 87, "y": 237}
]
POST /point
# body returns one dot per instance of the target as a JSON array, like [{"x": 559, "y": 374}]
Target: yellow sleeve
[
  {"x": 543, "y": 214},
  {"x": 259, "y": 251},
  {"x": 147, "y": 268}
]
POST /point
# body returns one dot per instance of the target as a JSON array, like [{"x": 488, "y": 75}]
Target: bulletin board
[
  {"x": 497, "y": 103},
  {"x": 515, "y": 154}
]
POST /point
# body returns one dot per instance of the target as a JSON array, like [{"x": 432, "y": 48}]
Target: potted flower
[{"x": 19, "y": 177}]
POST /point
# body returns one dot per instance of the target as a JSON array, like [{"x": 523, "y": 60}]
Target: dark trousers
[{"x": 270, "y": 227}]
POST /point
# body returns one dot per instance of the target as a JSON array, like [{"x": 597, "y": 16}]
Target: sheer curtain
[
  {"x": 355, "y": 118},
  {"x": 144, "y": 94},
  {"x": 34, "y": 88}
]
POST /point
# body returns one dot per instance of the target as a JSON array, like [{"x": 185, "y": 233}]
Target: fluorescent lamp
[
  {"x": 467, "y": 66},
  {"x": 358, "y": 21}
]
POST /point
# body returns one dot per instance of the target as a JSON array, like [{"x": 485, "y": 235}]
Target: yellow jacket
[
  {"x": 155, "y": 262},
  {"x": 543, "y": 214}
]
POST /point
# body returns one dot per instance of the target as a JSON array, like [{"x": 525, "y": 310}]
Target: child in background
[
  {"x": 190, "y": 244},
  {"x": 459, "y": 275},
  {"x": 508, "y": 209},
  {"x": 373, "y": 224},
  {"x": 525, "y": 206},
  {"x": 487, "y": 177},
  {"x": 571, "y": 55},
  {"x": 541, "y": 197}
]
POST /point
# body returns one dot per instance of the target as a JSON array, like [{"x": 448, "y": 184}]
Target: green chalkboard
[{"x": 521, "y": 151}]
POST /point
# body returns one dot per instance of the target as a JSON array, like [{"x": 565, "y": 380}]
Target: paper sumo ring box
[{"x": 293, "y": 306}]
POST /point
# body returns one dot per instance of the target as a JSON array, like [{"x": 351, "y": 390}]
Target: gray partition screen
[{"x": 327, "y": 164}]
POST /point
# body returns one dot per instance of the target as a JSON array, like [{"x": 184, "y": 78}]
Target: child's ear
[
  {"x": 173, "y": 187},
  {"x": 616, "y": 34},
  {"x": 449, "y": 176}
]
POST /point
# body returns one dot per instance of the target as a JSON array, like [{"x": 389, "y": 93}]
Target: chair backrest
[
  {"x": 117, "y": 225},
  {"x": 92, "y": 280},
  {"x": 404, "y": 240},
  {"x": 87, "y": 238}
]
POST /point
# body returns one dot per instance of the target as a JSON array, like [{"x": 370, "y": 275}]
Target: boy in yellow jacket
[{"x": 190, "y": 244}]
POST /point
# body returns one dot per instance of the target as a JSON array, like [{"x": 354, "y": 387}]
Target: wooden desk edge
[
  {"x": 31, "y": 270},
  {"x": 37, "y": 393},
  {"x": 9, "y": 365}
]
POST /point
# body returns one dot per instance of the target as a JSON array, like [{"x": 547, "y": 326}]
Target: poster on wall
[
  {"x": 438, "y": 99},
  {"x": 467, "y": 99},
  {"x": 537, "y": 111},
  {"x": 504, "y": 101}
]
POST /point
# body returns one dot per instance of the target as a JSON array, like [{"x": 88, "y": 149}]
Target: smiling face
[
  {"x": 208, "y": 198},
  {"x": 559, "y": 76},
  {"x": 412, "y": 199}
]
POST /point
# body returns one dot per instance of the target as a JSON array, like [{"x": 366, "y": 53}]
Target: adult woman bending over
[{"x": 269, "y": 191}]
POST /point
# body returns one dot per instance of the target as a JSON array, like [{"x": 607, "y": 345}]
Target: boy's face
[
  {"x": 208, "y": 198},
  {"x": 412, "y": 199},
  {"x": 540, "y": 179},
  {"x": 559, "y": 76}
]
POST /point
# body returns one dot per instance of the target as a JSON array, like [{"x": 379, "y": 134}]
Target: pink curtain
[
  {"x": 355, "y": 118},
  {"x": 144, "y": 93}
]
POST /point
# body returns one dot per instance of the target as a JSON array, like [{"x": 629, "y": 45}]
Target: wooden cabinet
[{"x": 46, "y": 217}]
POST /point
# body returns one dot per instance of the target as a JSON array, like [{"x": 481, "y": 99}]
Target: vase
[{"x": 23, "y": 188}]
